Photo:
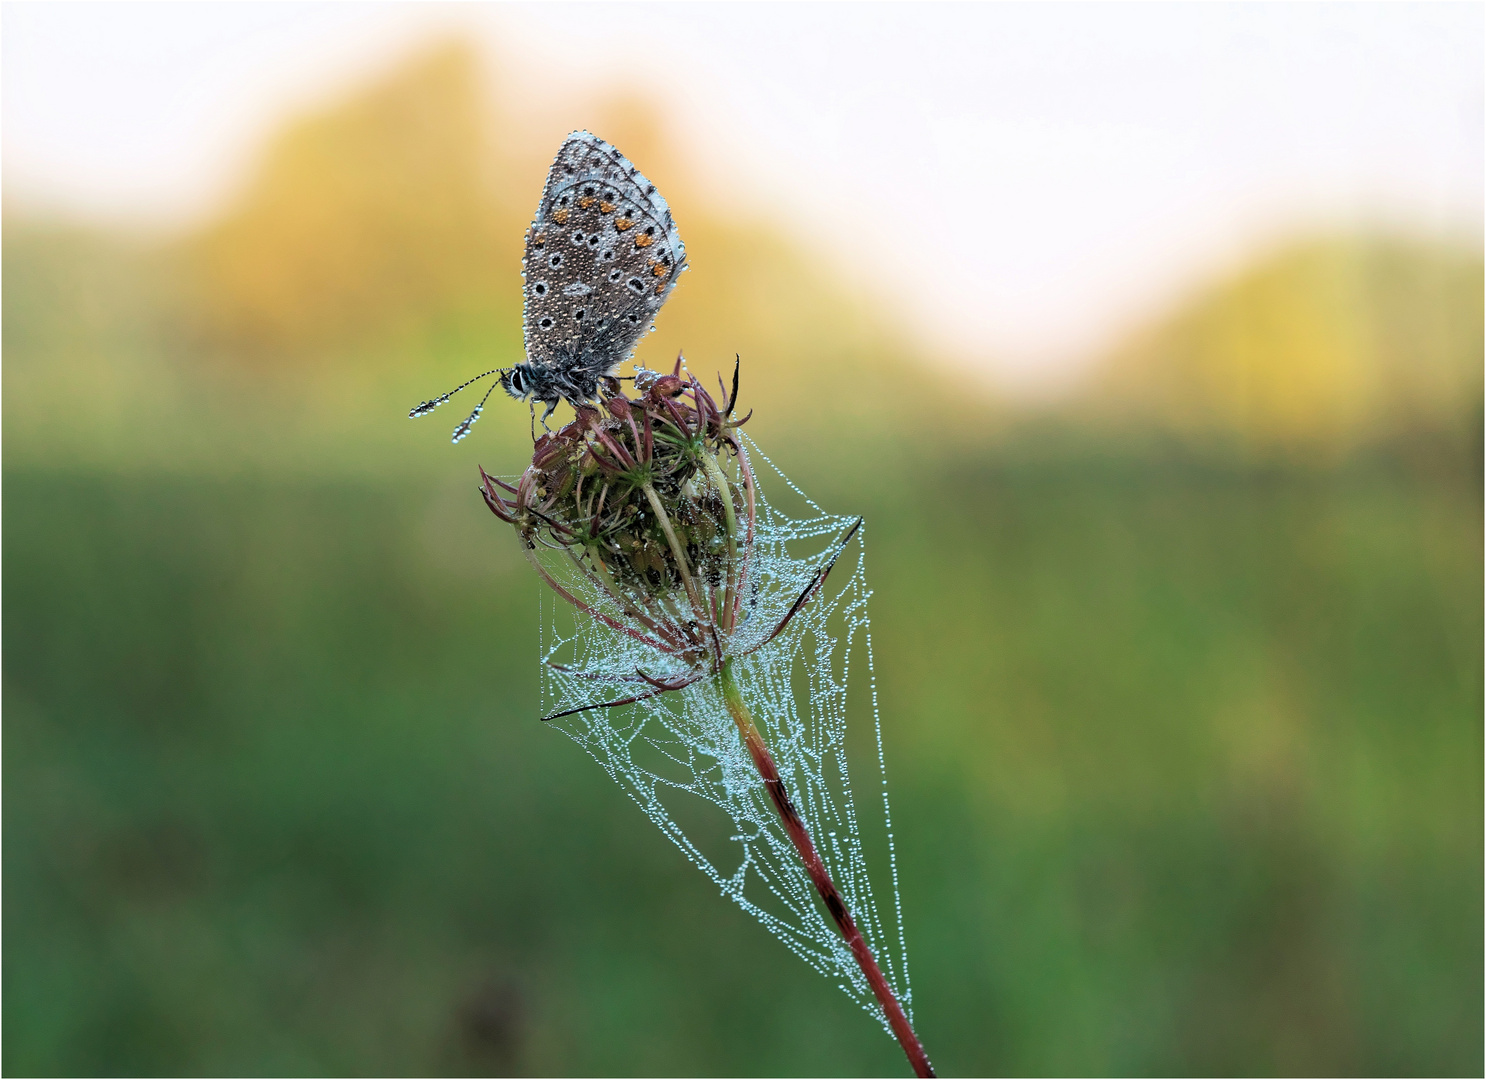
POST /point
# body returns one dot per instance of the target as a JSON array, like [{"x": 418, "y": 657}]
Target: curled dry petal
[
  {"x": 548, "y": 450},
  {"x": 667, "y": 386},
  {"x": 498, "y": 506}
]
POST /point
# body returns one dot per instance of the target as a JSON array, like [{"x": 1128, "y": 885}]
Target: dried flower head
[{"x": 652, "y": 498}]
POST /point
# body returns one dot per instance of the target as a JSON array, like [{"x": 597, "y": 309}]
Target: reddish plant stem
[{"x": 799, "y": 835}]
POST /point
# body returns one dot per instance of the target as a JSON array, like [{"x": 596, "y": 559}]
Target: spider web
[{"x": 679, "y": 756}]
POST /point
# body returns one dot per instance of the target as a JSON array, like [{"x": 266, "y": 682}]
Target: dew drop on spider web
[{"x": 678, "y": 755}]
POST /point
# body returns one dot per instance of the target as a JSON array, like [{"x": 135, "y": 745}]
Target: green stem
[
  {"x": 709, "y": 462},
  {"x": 665, "y": 525}
]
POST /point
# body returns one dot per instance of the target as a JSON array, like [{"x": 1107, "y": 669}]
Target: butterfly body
[{"x": 601, "y": 257}]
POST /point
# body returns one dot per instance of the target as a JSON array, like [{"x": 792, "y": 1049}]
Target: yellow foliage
[
  {"x": 374, "y": 211},
  {"x": 1324, "y": 346}
]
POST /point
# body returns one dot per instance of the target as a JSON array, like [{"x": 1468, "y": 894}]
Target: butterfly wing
[{"x": 602, "y": 256}]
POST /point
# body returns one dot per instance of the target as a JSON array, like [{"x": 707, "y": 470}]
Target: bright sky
[{"x": 1025, "y": 179}]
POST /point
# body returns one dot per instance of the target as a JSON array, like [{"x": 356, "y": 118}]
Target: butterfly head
[
  {"x": 517, "y": 381},
  {"x": 528, "y": 382}
]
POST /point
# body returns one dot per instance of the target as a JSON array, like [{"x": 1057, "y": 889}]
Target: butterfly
[{"x": 601, "y": 257}]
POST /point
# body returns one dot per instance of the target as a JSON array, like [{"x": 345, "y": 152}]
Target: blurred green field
[
  {"x": 1186, "y": 767},
  {"x": 1181, "y": 682}
]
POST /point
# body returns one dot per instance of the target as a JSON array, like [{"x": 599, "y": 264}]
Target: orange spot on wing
[
  {"x": 643, "y": 241},
  {"x": 561, "y": 216},
  {"x": 606, "y": 207},
  {"x": 622, "y": 223},
  {"x": 585, "y": 202}
]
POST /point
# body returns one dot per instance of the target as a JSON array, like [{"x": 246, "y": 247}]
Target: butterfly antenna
[
  {"x": 469, "y": 421},
  {"x": 426, "y": 407}
]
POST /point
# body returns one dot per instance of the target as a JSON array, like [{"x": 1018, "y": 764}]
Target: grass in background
[{"x": 1185, "y": 770}]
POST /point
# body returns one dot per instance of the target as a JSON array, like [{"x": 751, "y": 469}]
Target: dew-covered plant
[{"x": 690, "y": 608}]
